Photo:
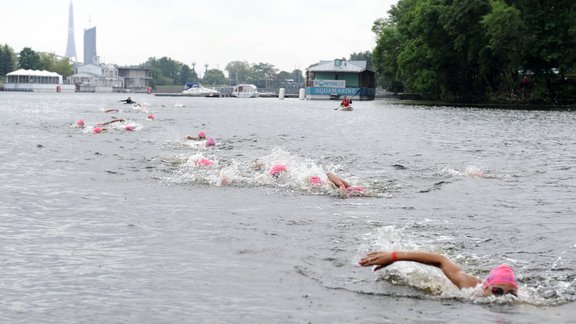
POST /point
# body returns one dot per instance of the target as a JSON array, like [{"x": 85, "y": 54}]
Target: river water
[{"x": 125, "y": 227}]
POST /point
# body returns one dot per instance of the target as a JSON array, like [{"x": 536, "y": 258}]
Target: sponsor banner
[
  {"x": 328, "y": 91},
  {"x": 350, "y": 92},
  {"x": 330, "y": 83}
]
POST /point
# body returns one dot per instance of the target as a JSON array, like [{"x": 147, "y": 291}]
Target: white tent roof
[{"x": 36, "y": 73}]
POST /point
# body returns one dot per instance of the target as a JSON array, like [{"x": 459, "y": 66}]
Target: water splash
[
  {"x": 555, "y": 288},
  {"x": 258, "y": 172}
]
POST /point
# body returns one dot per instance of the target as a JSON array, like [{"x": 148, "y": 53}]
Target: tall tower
[
  {"x": 71, "y": 46},
  {"x": 90, "y": 56}
]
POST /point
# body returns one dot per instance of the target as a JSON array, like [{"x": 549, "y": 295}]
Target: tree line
[
  {"x": 479, "y": 50},
  {"x": 31, "y": 60},
  {"x": 164, "y": 71}
]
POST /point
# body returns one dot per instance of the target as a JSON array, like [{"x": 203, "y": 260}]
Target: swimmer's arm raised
[{"x": 450, "y": 269}]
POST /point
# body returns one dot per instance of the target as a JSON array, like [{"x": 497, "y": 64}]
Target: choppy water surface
[{"x": 130, "y": 226}]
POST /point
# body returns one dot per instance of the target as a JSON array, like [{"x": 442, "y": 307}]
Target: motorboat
[
  {"x": 195, "y": 89},
  {"x": 245, "y": 91}
]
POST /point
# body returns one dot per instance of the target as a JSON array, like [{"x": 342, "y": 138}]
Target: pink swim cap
[
  {"x": 80, "y": 123},
  {"x": 204, "y": 162},
  {"x": 202, "y": 134},
  {"x": 277, "y": 169},
  {"x": 151, "y": 117},
  {"x": 315, "y": 181},
  {"x": 97, "y": 130},
  {"x": 355, "y": 189},
  {"x": 502, "y": 274},
  {"x": 211, "y": 142},
  {"x": 129, "y": 128}
]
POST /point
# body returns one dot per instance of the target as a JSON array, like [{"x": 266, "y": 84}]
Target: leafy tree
[
  {"x": 507, "y": 37},
  {"x": 64, "y": 67},
  {"x": 283, "y": 75},
  {"x": 165, "y": 71},
  {"x": 214, "y": 77},
  {"x": 472, "y": 50},
  {"x": 298, "y": 76},
  {"x": 7, "y": 60},
  {"x": 262, "y": 71},
  {"x": 238, "y": 71},
  {"x": 551, "y": 42},
  {"x": 28, "y": 59},
  {"x": 385, "y": 55},
  {"x": 51, "y": 62},
  {"x": 186, "y": 75},
  {"x": 363, "y": 56}
]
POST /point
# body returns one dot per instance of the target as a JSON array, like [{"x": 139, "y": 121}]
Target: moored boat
[
  {"x": 245, "y": 91},
  {"x": 197, "y": 89}
]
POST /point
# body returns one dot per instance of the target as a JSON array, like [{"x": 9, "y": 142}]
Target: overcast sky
[{"x": 289, "y": 34}]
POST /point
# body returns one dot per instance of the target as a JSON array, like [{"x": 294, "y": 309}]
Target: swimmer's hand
[{"x": 379, "y": 259}]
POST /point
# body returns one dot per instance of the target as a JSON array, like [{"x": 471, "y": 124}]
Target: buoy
[
  {"x": 281, "y": 93},
  {"x": 302, "y": 94},
  {"x": 58, "y": 88}
]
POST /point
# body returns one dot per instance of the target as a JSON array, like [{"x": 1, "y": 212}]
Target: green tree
[
  {"x": 551, "y": 43},
  {"x": 186, "y": 75},
  {"x": 164, "y": 71},
  {"x": 7, "y": 60},
  {"x": 64, "y": 67},
  {"x": 28, "y": 59},
  {"x": 262, "y": 71},
  {"x": 298, "y": 76},
  {"x": 385, "y": 55},
  {"x": 507, "y": 37},
  {"x": 214, "y": 77},
  {"x": 51, "y": 62},
  {"x": 237, "y": 71},
  {"x": 472, "y": 50},
  {"x": 363, "y": 56},
  {"x": 283, "y": 75}
]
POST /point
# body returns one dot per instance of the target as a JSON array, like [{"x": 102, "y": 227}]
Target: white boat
[
  {"x": 196, "y": 89},
  {"x": 245, "y": 91}
]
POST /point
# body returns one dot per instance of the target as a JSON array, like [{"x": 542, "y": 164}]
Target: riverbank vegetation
[
  {"x": 479, "y": 50},
  {"x": 31, "y": 60}
]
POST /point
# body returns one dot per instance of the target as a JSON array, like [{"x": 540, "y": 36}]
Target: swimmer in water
[
  {"x": 201, "y": 137},
  {"x": 128, "y": 101},
  {"x": 118, "y": 120},
  {"x": 500, "y": 281},
  {"x": 210, "y": 142},
  {"x": 100, "y": 127},
  {"x": 345, "y": 187},
  {"x": 277, "y": 169}
]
